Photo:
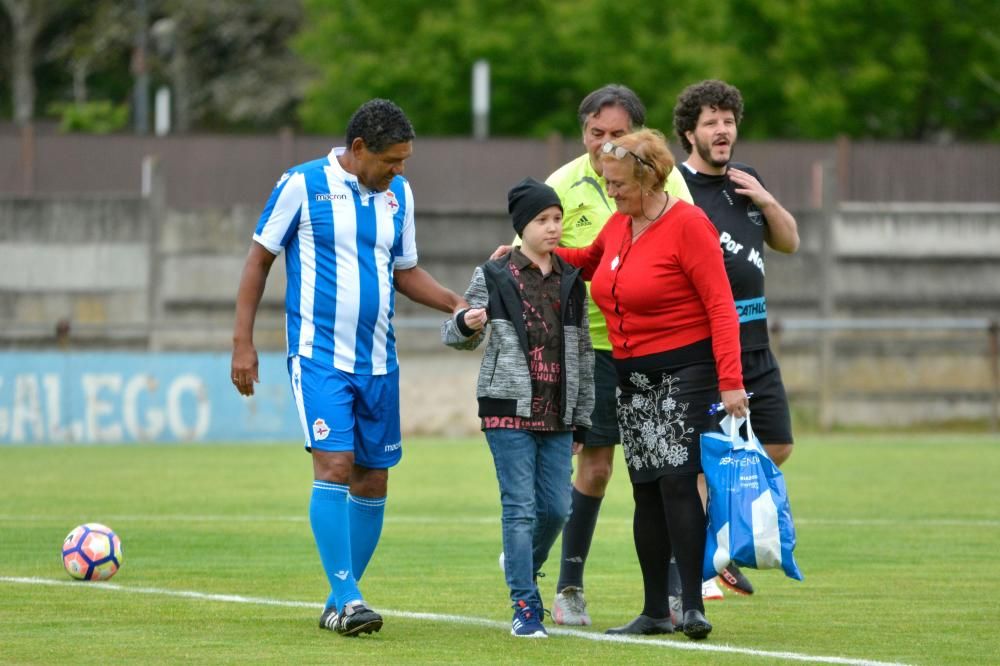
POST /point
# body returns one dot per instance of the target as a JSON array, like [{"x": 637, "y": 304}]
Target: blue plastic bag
[{"x": 749, "y": 519}]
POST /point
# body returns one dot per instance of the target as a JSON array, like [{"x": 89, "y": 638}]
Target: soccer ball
[{"x": 92, "y": 552}]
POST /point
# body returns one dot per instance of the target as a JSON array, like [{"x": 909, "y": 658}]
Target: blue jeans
[{"x": 533, "y": 470}]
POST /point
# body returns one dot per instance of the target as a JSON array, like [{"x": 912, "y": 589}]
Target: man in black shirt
[{"x": 733, "y": 196}]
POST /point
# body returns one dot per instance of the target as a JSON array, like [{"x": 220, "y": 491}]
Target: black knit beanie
[{"x": 527, "y": 199}]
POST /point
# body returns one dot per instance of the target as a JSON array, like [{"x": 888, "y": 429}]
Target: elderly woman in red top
[{"x": 656, "y": 271}]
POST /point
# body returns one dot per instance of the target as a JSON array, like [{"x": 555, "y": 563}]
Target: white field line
[
  {"x": 481, "y": 520},
  {"x": 456, "y": 619}
]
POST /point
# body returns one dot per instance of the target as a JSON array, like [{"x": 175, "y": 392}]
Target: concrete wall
[
  {"x": 127, "y": 273},
  {"x": 86, "y": 260}
]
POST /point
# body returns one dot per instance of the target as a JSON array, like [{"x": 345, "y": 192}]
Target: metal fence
[{"x": 218, "y": 171}]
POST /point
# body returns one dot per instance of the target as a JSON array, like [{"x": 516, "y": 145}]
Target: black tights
[{"x": 669, "y": 518}]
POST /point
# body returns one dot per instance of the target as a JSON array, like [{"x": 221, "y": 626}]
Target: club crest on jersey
[
  {"x": 390, "y": 200},
  {"x": 320, "y": 429},
  {"x": 754, "y": 214}
]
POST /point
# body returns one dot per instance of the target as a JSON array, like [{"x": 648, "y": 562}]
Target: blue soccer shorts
[{"x": 342, "y": 411}]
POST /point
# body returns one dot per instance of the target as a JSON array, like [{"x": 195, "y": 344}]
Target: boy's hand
[{"x": 475, "y": 318}]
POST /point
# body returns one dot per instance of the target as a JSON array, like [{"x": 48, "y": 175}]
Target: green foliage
[
  {"x": 228, "y": 62},
  {"x": 97, "y": 117},
  {"x": 890, "y": 69},
  {"x": 897, "y": 540},
  {"x": 544, "y": 57},
  {"x": 5, "y": 78},
  {"x": 809, "y": 69}
]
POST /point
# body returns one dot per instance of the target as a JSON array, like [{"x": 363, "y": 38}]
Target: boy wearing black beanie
[{"x": 535, "y": 386}]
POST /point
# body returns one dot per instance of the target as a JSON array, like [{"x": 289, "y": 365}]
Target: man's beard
[{"x": 705, "y": 153}]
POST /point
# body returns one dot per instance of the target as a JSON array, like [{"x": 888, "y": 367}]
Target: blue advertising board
[{"x": 106, "y": 397}]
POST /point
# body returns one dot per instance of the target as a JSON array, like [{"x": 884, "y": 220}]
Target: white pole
[
  {"x": 481, "y": 99},
  {"x": 161, "y": 115}
]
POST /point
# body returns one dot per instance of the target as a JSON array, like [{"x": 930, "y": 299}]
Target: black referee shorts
[
  {"x": 771, "y": 418},
  {"x": 604, "y": 419}
]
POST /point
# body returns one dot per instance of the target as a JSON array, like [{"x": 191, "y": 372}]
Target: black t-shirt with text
[{"x": 741, "y": 235}]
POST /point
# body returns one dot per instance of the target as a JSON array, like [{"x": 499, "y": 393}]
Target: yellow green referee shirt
[{"x": 586, "y": 207}]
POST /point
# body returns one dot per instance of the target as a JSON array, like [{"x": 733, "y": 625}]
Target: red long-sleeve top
[{"x": 666, "y": 291}]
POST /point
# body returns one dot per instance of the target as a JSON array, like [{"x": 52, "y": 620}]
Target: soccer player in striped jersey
[{"x": 345, "y": 223}]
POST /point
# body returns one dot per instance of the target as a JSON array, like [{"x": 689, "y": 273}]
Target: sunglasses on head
[{"x": 620, "y": 152}]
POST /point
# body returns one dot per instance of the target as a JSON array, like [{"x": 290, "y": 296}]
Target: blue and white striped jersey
[{"x": 342, "y": 243}]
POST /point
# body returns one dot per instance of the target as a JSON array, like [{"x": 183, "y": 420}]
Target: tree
[
  {"x": 44, "y": 36},
  {"x": 27, "y": 17},
  {"x": 228, "y": 61},
  {"x": 5, "y": 91},
  {"x": 809, "y": 69},
  {"x": 890, "y": 69},
  {"x": 98, "y": 40},
  {"x": 544, "y": 57},
  {"x": 92, "y": 42}
]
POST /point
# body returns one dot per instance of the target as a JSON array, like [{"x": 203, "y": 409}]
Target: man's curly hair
[
  {"x": 712, "y": 93},
  {"x": 380, "y": 124}
]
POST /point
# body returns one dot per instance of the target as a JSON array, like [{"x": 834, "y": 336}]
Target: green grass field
[{"x": 898, "y": 541}]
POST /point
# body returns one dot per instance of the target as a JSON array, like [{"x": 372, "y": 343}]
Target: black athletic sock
[
  {"x": 674, "y": 579},
  {"x": 652, "y": 545},
  {"x": 686, "y": 521},
  {"x": 576, "y": 537}
]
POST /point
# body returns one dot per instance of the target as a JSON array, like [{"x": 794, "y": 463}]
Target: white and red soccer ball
[{"x": 92, "y": 552}]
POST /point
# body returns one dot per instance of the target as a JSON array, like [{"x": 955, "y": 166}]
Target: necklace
[
  {"x": 650, "y": 221},
  {"x": 636, "y": 234},
  {"x": 666, "y": 202}
]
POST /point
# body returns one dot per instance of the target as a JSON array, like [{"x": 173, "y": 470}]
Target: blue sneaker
[{"x": 527, "y": 622}]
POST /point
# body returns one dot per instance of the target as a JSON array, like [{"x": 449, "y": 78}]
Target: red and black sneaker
[{"x": 734, "y": 579}]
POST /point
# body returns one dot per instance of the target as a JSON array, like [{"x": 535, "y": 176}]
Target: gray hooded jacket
[{"x": 504, "y": 387}]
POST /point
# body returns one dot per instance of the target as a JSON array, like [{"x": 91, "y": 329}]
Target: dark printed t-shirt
[{"x": 543, "y": 324}]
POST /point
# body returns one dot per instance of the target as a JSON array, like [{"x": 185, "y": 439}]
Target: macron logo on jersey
[{"x": 328, "y": 196}]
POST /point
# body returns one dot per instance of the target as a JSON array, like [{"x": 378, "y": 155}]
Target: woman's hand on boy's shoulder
[
  {"x": 475, "y": 318},
  {"x": 501, "y": 251}
]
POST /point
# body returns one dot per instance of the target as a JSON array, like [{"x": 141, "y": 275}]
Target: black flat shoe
[
  {"x": 695, "y": 625},
  {"x": 646, "y": 626}
]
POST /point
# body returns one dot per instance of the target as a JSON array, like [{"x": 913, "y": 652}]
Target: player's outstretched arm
[
  {"x": 418, "y": 285},
  {"x": 243, "y": 370},
  {"x": 464, "y": 329}
]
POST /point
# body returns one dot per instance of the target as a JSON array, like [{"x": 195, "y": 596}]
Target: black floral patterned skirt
[{"x": 662, "y": 413}]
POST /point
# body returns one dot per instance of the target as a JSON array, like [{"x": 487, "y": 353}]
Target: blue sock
[
  {"x": 331, "y": 528},
  {"x": 366, "y": 527}
]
